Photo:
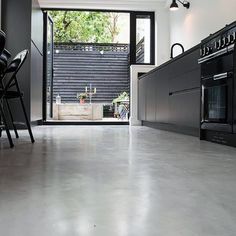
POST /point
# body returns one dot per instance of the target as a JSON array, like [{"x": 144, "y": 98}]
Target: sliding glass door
[{"x": 48, "y": 66}]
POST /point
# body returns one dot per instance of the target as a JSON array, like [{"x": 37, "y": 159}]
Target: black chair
[
  {"x": 11, "y": 90},
  {"x": 4, "y": 56}
]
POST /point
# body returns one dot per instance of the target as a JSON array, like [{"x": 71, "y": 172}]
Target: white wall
[
  {"x": 189, "y": 27},
  {"x": 162, "y": 35}
]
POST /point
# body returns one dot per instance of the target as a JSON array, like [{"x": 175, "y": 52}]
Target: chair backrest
[
  {"x": 17, "y": 62},
  {"x": 15, "y": 66},
  {"x": 2, "y": 41},
  {"x": 6, "y": 54},
  {"x": 3, "y": 58}
]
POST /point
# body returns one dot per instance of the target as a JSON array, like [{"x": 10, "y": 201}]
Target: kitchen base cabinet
[
  {"x": 162, "y": 96},
  {"x": 169, "y": 96},
  {"x": 173, "y": 128},
  {"x": 184, "y": 108},
  {"x": 151, "y": 100},
  {"x": 142, "y": 89}
]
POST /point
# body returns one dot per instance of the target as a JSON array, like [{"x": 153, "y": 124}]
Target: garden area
[{"x": 90, "y": 66}]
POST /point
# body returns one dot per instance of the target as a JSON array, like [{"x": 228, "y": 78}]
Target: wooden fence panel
[{"x": 76, "y": 66}]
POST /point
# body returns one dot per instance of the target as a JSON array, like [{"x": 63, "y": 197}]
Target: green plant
[
  {"x": 122, "y": 97},
  {"x": 81, "y": 96},
  {"x": 87, "y": 27}
]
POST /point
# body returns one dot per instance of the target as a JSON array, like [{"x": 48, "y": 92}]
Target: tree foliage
[{"x": 88, "y": 27}]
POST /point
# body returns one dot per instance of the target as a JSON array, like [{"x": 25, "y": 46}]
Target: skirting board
[{"x": 173, "y": 128}]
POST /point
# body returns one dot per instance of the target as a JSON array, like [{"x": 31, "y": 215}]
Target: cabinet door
[
  {"x": 162, "y": 96},
  {"x": 142, "y": 99},
  {"x": 185, "y": 109},
  {"x": 151, "y": 100}
]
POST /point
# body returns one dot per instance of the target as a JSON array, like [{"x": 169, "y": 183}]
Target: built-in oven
[
  {"x": 234, "y": 91},
  {"x": 217, "y": 81},
  {"x": 218, "y": 86},
  {"x": 217, "y": 101}
]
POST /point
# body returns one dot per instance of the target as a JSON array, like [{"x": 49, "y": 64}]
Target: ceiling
[{"x": 103, "y": 4}]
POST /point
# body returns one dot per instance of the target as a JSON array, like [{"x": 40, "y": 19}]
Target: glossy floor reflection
[{"x": 116, "y": 181}]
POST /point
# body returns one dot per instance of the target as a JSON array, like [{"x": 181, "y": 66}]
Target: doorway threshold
[{"x": 66, "y": 122}]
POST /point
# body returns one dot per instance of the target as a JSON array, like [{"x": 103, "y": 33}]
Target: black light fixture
[{"x": 174, "y": 6}]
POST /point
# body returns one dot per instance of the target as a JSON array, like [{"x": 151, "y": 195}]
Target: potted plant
[
  {"x": 82, "y": 97},
  {"x": 123, "y": 97},
  {"x": 121, "y": 104}
]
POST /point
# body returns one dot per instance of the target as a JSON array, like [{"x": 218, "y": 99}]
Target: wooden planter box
[{"x": 76, "y": 111}]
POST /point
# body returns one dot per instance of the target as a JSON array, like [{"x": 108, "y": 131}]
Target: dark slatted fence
[
  {"x": 140, "y": 51},
  {"x": 105, "y": 66}
]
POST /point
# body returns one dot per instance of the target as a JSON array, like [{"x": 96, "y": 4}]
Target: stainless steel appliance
[{"x": 218, "y": 98}]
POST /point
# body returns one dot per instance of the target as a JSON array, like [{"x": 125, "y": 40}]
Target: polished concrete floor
[{"x": 116, "y": 181}]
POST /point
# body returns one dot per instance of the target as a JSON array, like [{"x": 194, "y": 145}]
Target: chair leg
[
  {"x": 12, "y": 120},
  {"x": 27, "y": 120},
  {"x": 6, "y": 127},
  {"x": 1, "y": 127}
]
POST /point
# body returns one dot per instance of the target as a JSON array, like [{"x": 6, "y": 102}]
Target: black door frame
[
  {"x": 47, "y": 18},
  {"x": 133, "y": 17},
  {"x": 133, "y": 42}
]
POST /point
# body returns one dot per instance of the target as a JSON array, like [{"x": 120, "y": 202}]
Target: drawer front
[{"x": 185, "y": 81}]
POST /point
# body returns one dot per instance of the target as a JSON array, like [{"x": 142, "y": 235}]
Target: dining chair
[
  {"x": 4, "y": 56},
  {"x": 11, "y": 90}
]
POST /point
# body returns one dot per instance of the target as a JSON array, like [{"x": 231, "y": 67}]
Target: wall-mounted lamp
[{"x": 174, "y": 6}]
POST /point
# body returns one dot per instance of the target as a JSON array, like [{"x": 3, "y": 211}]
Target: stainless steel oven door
[{"x": 217, "y": 102}]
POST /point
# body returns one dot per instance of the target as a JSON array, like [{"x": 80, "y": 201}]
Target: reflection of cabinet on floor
[{"x": 75, "y": 111}]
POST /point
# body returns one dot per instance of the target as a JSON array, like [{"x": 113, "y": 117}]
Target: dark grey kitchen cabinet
[
  {"x": 151, "y": 99},
  {"x": 142, "y": 84},
  {"x": 186, "y": 81},
  {"x": 162, "y": 96},
  {"x": 169, "y": 96},
  {"x": 185, "y": 62},
  {"x": 184, "y": 109}
]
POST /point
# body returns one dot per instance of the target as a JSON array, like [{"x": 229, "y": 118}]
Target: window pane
[{"x": 143, "y": 39}]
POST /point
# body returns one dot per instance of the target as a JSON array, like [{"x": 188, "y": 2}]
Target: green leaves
[
  {"x": 86, "y": 27},
  {"x": 123, "y": 97}
]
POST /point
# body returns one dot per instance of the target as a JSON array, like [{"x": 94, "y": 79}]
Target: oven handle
[
  {"x": 216, "y": 54},
  {"x": 220, "y": 76}
]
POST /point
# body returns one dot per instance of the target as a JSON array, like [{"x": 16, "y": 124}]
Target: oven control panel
[{"x": 220, "y": 41}]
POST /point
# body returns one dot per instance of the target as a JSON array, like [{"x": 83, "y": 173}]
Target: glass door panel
[
  {"x": 143, "y": 39},
  {"x": 216, "y": 105},
  {"x": 49, "y": 70}
]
